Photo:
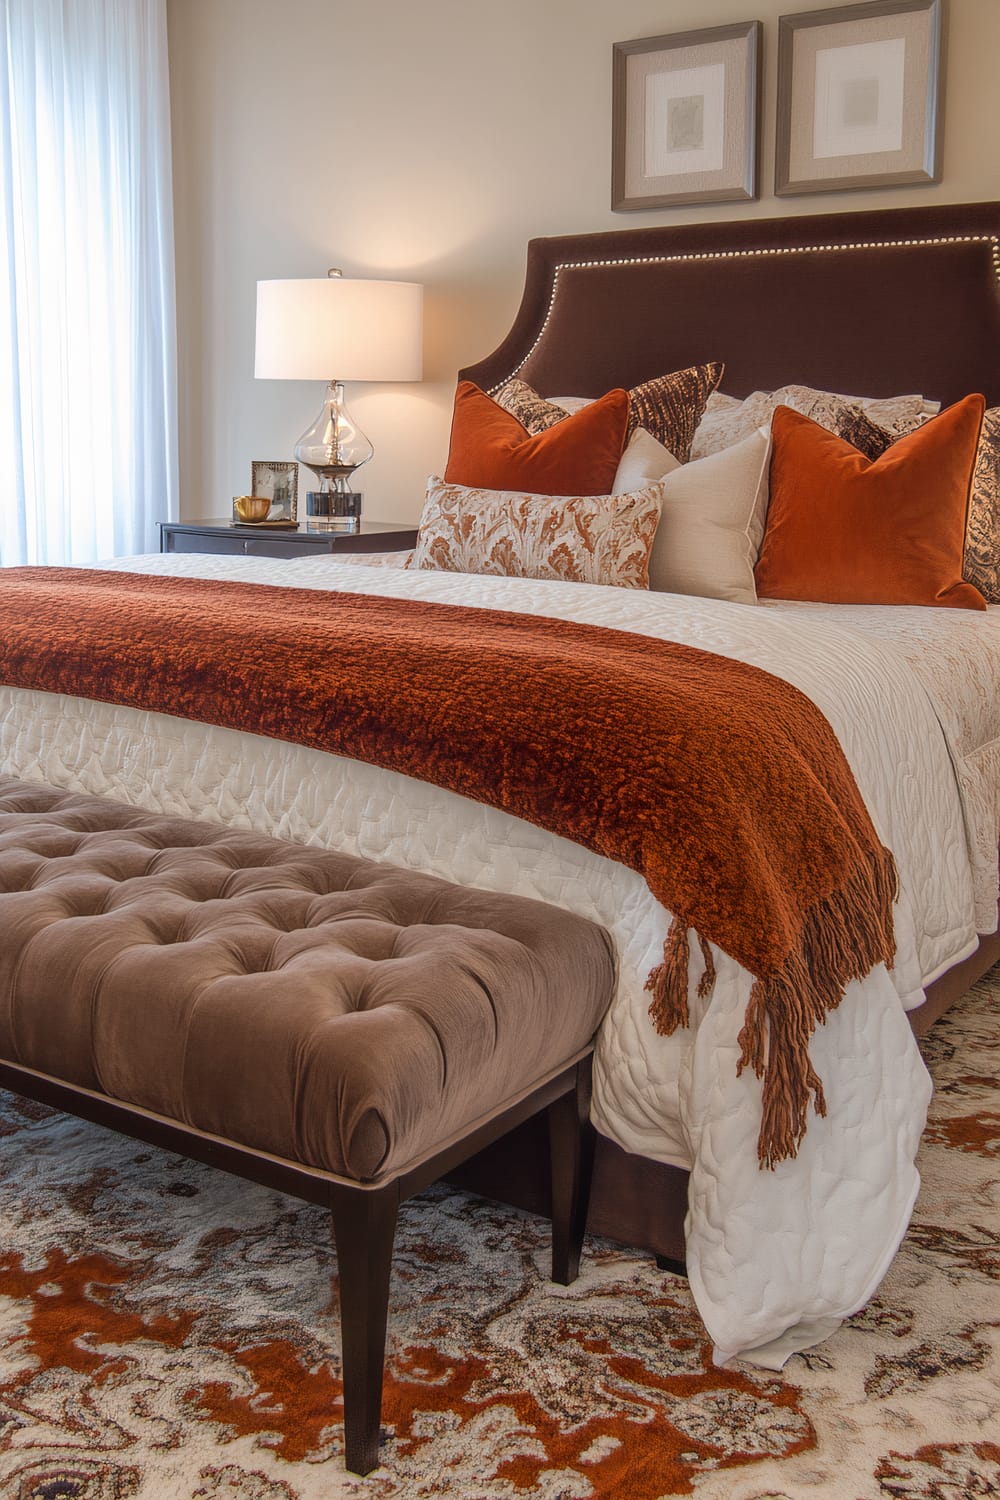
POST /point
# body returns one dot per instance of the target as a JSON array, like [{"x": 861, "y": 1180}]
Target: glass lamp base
[{"x": 339, "y": 509}]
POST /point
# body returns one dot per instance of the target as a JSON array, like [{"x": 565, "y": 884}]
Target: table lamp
[{"x": 337, "y": 327}]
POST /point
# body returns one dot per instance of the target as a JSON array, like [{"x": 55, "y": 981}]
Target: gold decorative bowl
[{"x": 252, "y": 508}]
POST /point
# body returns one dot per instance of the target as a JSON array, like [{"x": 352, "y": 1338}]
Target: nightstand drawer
[
  {"x": 183, "y": 541},
  {"x": 222, "y": 538},
  {"x": 275, "y": 546}
]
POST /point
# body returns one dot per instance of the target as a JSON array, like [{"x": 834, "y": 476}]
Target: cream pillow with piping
[{"x": 712, "y": 517}]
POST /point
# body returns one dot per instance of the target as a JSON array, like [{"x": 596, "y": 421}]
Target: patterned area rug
[{"x": 165, "y": 1331}]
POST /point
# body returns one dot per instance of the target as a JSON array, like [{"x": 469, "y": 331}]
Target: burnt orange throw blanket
[{"x": 722, "y": 785}]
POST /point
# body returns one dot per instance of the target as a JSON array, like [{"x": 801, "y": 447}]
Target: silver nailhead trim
[{"x": 663, "y": 260}]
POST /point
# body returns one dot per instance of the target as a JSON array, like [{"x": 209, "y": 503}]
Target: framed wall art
[
  {"x": 859, "y": 96},
  {"x": 686, "y": 117},
  {"x": 279, "y": 481}
]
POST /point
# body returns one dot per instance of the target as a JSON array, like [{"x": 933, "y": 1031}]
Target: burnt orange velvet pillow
[
  {"x": 490, "y": 450},
  {"x": 846, "y": 530}
]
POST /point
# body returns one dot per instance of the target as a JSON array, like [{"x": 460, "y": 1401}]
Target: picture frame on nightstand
[{"x": 279, "y": 482}]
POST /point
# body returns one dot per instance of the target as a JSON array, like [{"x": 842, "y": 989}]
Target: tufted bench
[{"x": 338, "y": 1029}]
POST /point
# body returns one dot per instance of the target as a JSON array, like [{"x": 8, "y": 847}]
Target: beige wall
[{"x": 429, "y": 140}]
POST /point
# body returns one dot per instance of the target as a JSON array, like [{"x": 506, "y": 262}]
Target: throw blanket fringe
[
  {"x": 843, "y": 937},
  {"x": 723, "y": 786}
]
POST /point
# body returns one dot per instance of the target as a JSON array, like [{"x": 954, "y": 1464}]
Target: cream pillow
[
  {"x": 644, "y": 461},
  {"x": 576, "y": 538},
  {"x": 712, "y": 516}
]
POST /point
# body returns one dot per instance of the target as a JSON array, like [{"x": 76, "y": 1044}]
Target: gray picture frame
[
  {"x": 893, "y": 105},
  {"x": 685, "y": 118}
]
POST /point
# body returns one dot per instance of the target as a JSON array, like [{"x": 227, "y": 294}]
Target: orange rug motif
[{"x": 168, "y": 1332}]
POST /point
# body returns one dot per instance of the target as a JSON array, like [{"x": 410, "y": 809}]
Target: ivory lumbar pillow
[{"x": 712, "y": 516}]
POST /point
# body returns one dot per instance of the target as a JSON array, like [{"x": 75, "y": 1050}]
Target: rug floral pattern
[{"x": 167, "y": 1332}]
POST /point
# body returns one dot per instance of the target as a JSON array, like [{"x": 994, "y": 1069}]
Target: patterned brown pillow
[
  {"x": 576, "y": 538},
  {"x": 530, "y": 409},
  {"x": 668, "y": 406},
  {"x": 862, "y": 433},
  {"x": 982, "y": 532}
]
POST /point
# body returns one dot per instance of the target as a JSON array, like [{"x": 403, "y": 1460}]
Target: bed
[
  {"x": 887, "y": 302},
  {"x": 902, "y": 300}
]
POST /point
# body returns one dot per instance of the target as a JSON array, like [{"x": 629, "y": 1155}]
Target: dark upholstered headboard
[{"x": 870, "y": 304}]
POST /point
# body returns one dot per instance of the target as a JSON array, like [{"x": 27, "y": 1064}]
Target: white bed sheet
[{"x": 798, "y": 1248}]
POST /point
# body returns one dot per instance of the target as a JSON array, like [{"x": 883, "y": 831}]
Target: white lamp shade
[{"x": 334, "y": 328}]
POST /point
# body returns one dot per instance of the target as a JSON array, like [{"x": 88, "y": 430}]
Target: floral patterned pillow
[
  {"x": 982, "y": 532},
  {"x": 574, "y": 538},
  {"x": 668, "y": 406},
  {"x": 530, "y": 409},
  {"x": 857, "y": 428},
  {"x": 728, "y": 420}
]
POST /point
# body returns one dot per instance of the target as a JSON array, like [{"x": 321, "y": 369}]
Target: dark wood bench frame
[{"x": 364, "y": 1216}]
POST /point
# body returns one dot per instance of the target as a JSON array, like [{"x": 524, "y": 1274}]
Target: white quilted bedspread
[
  {"x": 770, "y": 1254},
  {"x": 955, "y": 653}
]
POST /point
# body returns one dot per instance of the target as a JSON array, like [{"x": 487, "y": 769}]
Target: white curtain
[{"x": 88, "y": 426}]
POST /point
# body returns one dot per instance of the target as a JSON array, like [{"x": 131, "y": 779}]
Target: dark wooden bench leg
[
  {"x": 571, "y": 1152},
  {"x": 364, "y": 1227},
  {"x": 675, "y": 1267}
]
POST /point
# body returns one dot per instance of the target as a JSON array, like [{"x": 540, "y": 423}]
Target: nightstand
[{"x": 253, "y": 541}]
